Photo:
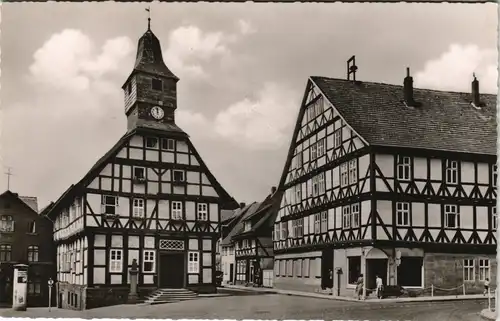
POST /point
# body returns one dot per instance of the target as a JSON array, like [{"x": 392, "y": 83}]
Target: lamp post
[{"x": 50, "y": 283}]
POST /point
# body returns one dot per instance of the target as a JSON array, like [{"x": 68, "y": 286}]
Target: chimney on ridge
[
  {"x": 408, "y": 89},
  {"x": 273, "y": 189},
  {"x": 242, "y": 205},
  {"x": 476, "y": 101}
]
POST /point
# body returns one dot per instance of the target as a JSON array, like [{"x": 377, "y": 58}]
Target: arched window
[
  {"x": 32, "y": 253},
  {"x": 5, "y": 252},
  {"x": 7, "y": 223}
]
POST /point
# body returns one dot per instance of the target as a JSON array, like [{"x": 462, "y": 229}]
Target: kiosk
[{"x": 20, "y": 287}]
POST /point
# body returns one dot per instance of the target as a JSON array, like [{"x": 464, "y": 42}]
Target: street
[{"x": 248, "y": 305}]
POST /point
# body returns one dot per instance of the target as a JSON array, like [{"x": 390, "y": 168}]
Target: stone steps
[{"x": 161, "y": 296}]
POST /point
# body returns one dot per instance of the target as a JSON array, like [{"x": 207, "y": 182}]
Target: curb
[{"x": 330, "y": 297}]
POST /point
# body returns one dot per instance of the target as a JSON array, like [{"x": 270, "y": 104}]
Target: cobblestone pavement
[{"x": 275, "y": 306}]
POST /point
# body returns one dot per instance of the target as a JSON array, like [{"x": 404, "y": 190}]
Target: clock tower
[{"x": 150, "y": 90}]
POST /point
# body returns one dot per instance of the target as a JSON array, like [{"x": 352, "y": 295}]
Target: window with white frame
[
  {"x": 138, "y": 207},
  {"x": 202, "y": 212},
  {"x": 7, "y": 223},
  {"x": 451, "y": 216},
  {"x": 139, "y": 172},
  {"x": 494, "y": 175},
  {"x": 337, "y": 138},
  {"x": 354, "y": 215},
  {"x": 403, "y": 214},
  {"x": 344, "y": 175},
  {"x": 151, "y": 142},
  {"x": 176, "y": 210},
  {"x": 109, "y": 204},
  {"x": 294, "y": 228},
  {"x": 178, "y": 176},
  {"x": 451, "y": 171},
  {"x": 318, "y": 184},
  {"x": 284, "y": 230},
  {"x": 353, "y": 171},
  {"x": 317, "y": 223},
  {"x": 314, "y": 151},
  {"x": 494, "y": 218},
  {"x": 148, "y": 264},
  {"x": 298, "y": 193},
  {"x": 484, "y": 269},
  {"x": 300, "y": 227},
  {"x": 276, "y": 232},
  {"x": 324, "y": 222},
  {"x": 299, "y": 160},
  {"x": 321, "y": 147},
  {"x": 193, "y": 262},
  {"x": 346, "y": 217},
  {"x": 115, "y": 261},
  {"x": 469, "y": 270},
  {"x": 404, "y": 168},
  {"x": 168, "y": 144}
]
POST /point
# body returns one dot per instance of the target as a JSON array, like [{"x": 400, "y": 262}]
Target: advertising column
[{"x": 20, "y": 287}]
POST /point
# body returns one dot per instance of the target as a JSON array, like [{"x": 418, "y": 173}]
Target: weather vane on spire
[{"x": 148, "y": 9}]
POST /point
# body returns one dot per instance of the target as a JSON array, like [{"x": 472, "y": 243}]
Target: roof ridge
[{"x": 395, "y": 85}]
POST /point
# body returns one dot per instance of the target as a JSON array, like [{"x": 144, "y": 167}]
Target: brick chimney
[
  {"x": 242, "y": 205},
  {"x": 476, "y": 102},
  {"x": 408, "y": 88},
  {"x": 273, "y": 189}
]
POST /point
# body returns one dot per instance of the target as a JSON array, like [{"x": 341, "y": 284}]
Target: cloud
[
  {"x": 453, "y": 70},
  {"x": 188, "y": 45},
  {"x": 67, "y": 61},
  {"x": 246, "y": 27},
  {"x": 260, "y": 123}
]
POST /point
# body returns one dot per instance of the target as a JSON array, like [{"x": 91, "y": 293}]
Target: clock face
[{"x": 157, "y": 112}]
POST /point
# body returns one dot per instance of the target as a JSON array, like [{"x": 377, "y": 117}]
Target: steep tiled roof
[
  {"x": 247, "y": 211},
  {"x": 445, "y": 120},
  {"x": 31, "y": 201}
]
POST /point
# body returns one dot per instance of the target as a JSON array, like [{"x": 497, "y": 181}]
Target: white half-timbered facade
[
  {"x": 388, "y": 180},
  {"x": 151, "y": 198}
]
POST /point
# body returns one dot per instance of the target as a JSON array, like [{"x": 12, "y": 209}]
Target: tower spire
[{"x": 148, "y": 9}]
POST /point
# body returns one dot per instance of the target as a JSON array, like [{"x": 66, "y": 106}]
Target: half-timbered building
[
  {"x": 254, "y": 243},
  {"x": 230, "y": 228},
  {"x": 25, "y": 238},
  {"x": 151, "y": 198},
  {"x": 388, "y": 180}
]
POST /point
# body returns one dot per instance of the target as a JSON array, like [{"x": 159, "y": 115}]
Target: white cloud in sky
[
  {"x": 246, "y": 27},
  {"x": 260, "y": 123},
  {"x": 68, "y": 60},
  {"x": 188, "y": 45},
  {"x": 453, "y": 70}
]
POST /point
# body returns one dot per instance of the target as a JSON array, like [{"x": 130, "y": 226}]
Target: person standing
[
  {"x": 379, "y": 284},
  {"x": 359, "y": 286},
  {"x": 486, "y": 286}
]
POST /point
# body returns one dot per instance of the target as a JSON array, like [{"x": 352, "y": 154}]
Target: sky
[{"x": 242, "y": 68}]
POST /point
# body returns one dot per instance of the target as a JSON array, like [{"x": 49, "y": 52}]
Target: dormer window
[
  {"x": 151, "y": 142},
  {"x": 248, "y": 226},
  {"x": 157, "y": 84}
]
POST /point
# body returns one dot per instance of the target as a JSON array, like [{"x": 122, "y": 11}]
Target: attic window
[
  {"x": 151, "y": 142},
  {"x": 128, "y": 89},
  {"x": 157, "y": 84}
]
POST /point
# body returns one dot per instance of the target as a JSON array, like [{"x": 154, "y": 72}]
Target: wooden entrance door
[
  {"x": 327, "y": 269},
  {"x": 172, "y": 266},
  {"x": 231, "y": 273}
]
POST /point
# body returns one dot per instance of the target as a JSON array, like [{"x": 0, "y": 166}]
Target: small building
[
  {"x": 232, "y": 226},
  {"x": 388, "y": 180},
  {"x": 151, "y": 198},
  {"x": 25, "y": 238},
  {"x": 253, "y": 241}
]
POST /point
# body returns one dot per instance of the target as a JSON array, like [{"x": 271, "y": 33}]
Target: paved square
[{"x": 275, "y": 306}]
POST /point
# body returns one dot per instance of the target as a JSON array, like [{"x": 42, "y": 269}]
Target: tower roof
[{"x": 149, "y": 57}]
